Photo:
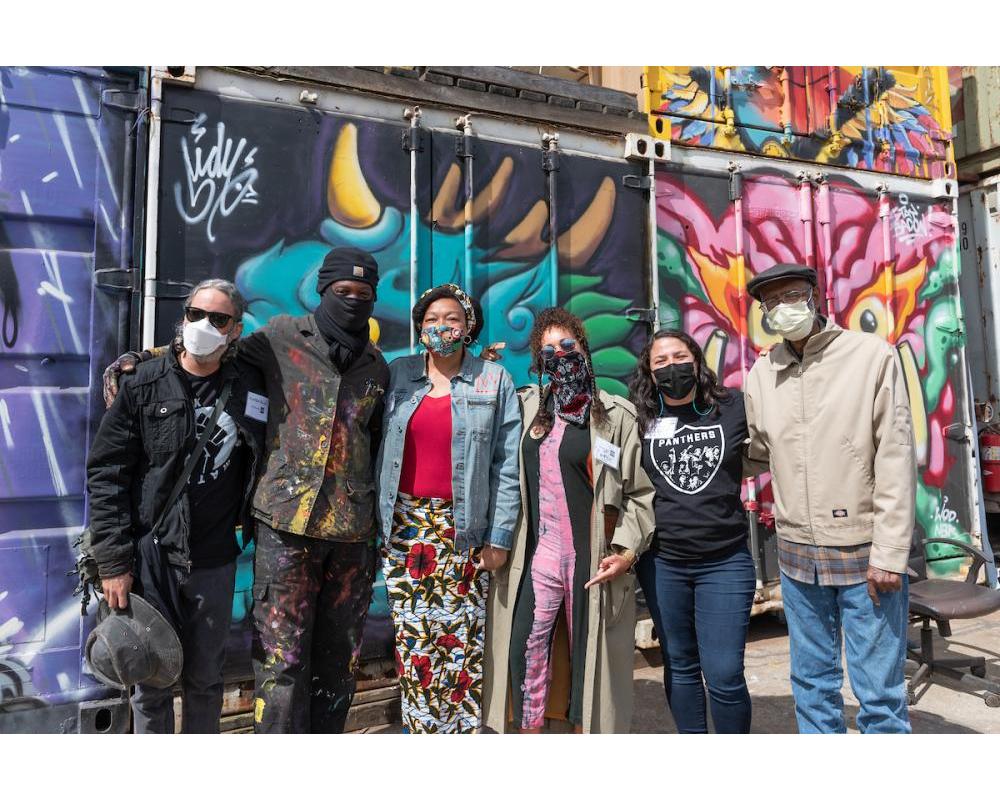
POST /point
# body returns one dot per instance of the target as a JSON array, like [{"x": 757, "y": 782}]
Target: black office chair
[{"x": 943, "y": 601}]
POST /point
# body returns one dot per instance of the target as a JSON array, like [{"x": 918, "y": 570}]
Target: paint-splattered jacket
[{"x": 323, "y": 432}]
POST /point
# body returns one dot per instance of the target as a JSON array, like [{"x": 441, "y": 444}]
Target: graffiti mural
[
  {"x": 259, "y": 192},
  {"x": 886, "y": 264},
  {"x": 212, "y": 186},
  {"x": 317, "y": 181},
  {"x": 64, "y": 212},
  {"x": 887, "y": 119}
]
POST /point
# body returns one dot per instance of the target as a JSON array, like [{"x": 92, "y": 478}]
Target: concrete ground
[{"x": 944, "y": 707}]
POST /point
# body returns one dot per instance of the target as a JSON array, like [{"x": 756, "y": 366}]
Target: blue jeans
[
  {"x": 701, "y": 611},
  {"x": 875, "y": 638}
]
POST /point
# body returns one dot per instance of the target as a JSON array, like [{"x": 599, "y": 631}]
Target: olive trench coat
[{"x": 622, "y": 516}]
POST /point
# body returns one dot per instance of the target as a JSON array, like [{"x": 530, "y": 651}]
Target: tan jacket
[
  {"x": 837, "y": 432},
  {"x": 607, "y": 682}
]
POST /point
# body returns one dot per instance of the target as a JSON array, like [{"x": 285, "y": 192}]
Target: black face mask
[
  {"x": 343, "y": 321},
  {"x": 350, "y": 313},
  {"x": 676, "y": 380}
]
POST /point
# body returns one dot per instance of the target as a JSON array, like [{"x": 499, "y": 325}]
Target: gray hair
[{"x": 228, "y": 289}]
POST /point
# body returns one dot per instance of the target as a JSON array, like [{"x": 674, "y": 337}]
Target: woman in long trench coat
[{"x": 621, "y": 522}]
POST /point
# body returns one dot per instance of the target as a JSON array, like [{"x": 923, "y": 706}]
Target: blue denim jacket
[{"x": 485, "y": 447}]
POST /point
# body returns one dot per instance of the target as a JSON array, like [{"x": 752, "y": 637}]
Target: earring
[{"x": 467, "y": 339}]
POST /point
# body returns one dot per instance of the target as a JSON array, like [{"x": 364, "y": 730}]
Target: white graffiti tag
[
  {"x": 909, "y": 223},
  {"x": 944, "y": 514},
  {"x": 214, "y": 187}
]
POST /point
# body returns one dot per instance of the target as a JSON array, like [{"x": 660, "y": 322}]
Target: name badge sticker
[
  {"x": 256, "y": 407},
  {"x": 607, "y": 453},
  {"x": 663, "y": 428}
]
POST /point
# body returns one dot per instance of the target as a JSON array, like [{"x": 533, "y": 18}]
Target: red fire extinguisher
[{"x": 989, "y": 458}]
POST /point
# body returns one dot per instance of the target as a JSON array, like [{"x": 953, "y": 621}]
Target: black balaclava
[{"x": 343, "y": 321}]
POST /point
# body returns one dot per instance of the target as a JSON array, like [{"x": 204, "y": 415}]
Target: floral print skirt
[{"x": 438, "y": 603}]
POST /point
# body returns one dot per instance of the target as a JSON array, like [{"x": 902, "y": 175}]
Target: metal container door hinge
[
  {"x": 124, "y": 100},
  {"x": 647, "y": 315},
  {"x": 413, "y": 139},
  {"x": 168, "y": 290},
  {"x": 637, "y": 182},
  {"x": 116, "y": 279},
  {"x": 464, "y": 147}
]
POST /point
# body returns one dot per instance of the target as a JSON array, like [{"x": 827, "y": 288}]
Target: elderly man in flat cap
[
  {"x": 828, "y": 411},
  {"x": 314, "y": 506}
]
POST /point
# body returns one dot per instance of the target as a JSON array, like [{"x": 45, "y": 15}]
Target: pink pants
[{"x": 552, "y": 568}]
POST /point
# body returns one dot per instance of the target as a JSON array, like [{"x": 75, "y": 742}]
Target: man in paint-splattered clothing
[{"x": 315, "y": 504}]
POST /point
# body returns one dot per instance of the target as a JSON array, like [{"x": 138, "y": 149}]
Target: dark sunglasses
[
  {"x": 217, "y": 318},
  {"x": 565, "y": 346}
]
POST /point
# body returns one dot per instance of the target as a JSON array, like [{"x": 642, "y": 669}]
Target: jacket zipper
[
  {"x": 185, "y": 518},
  {"x": 805, "y": 464}
]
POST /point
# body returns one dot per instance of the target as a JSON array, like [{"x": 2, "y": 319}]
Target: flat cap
[{"x": 780, "y": 272}]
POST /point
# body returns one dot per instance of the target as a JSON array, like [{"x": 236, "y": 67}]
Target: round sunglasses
[
  {"x": 565, "y": 346},
  {"x": 216, "y": 318}
]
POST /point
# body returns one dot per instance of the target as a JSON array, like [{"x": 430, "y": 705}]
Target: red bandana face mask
[{"x": 571, "y": 385}]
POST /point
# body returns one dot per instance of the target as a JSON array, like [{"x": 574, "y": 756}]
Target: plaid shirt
[{"x": 823, "y": 565}]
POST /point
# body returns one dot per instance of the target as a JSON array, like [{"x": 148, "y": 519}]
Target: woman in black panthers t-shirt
[{"x": 698, "y": 576}]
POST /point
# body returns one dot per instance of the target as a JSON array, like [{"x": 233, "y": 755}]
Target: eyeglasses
[
  {"x": 789, "y": 297},
  {"x": 217, "y": 318},
  {"x": 565, "y": 346}
]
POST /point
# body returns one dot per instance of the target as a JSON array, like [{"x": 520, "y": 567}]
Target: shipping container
[
  {"x": 887, "y": 119},
  {"x": 70, "y": 144},
  {"x": 975, "y": 100},
  {"x": 254, "y": 176},
  {"x": 979, "y": 246}
]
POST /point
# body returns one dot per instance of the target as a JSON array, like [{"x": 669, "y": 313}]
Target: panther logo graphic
[
  {"x": 690, "y": 459},
  {"x": 219, "y": 448}
]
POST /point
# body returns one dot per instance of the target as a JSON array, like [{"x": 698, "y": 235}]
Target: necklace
[{"x": 663, "y": 407}]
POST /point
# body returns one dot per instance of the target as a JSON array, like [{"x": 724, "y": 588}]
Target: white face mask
[
  {"x": 202, "y": 338},
  {"x": 792, "y": 321}
]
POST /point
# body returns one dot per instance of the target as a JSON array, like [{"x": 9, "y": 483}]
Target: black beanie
[{"x": 347, "y": 264}]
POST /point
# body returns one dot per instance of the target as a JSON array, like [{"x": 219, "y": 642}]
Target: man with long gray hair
[{"x": 170, "y": 476}]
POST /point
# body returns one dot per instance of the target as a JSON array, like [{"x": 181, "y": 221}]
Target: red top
[{"x": 427, "y": 450}]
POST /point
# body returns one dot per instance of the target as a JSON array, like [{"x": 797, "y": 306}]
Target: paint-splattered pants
[
  {"x": 204, "y": 606},
  {"x": 311, "y": 598},
  {"x": 438, "y": 602}
]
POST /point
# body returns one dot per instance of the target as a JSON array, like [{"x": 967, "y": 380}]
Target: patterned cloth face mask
[
  {"x": 571, "y": 383},
  {"x": 442, "y": 340}
]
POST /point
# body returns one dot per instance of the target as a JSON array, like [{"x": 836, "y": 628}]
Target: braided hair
[{"x": 561, "y": 318}]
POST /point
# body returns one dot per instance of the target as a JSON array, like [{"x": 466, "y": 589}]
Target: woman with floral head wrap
[{"x": 448, "y": 502}]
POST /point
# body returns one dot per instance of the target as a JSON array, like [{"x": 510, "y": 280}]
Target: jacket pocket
[
  {"x": 360, "y": 491},
  {"x": 863, "y": 465},
  {"x": 482, "y": 410},
  {"x": 621, "y": 593},
  {"x": 164, "y": 425}
]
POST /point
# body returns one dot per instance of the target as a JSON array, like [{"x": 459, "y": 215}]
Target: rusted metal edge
[{"x": 451, "y": 97}]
